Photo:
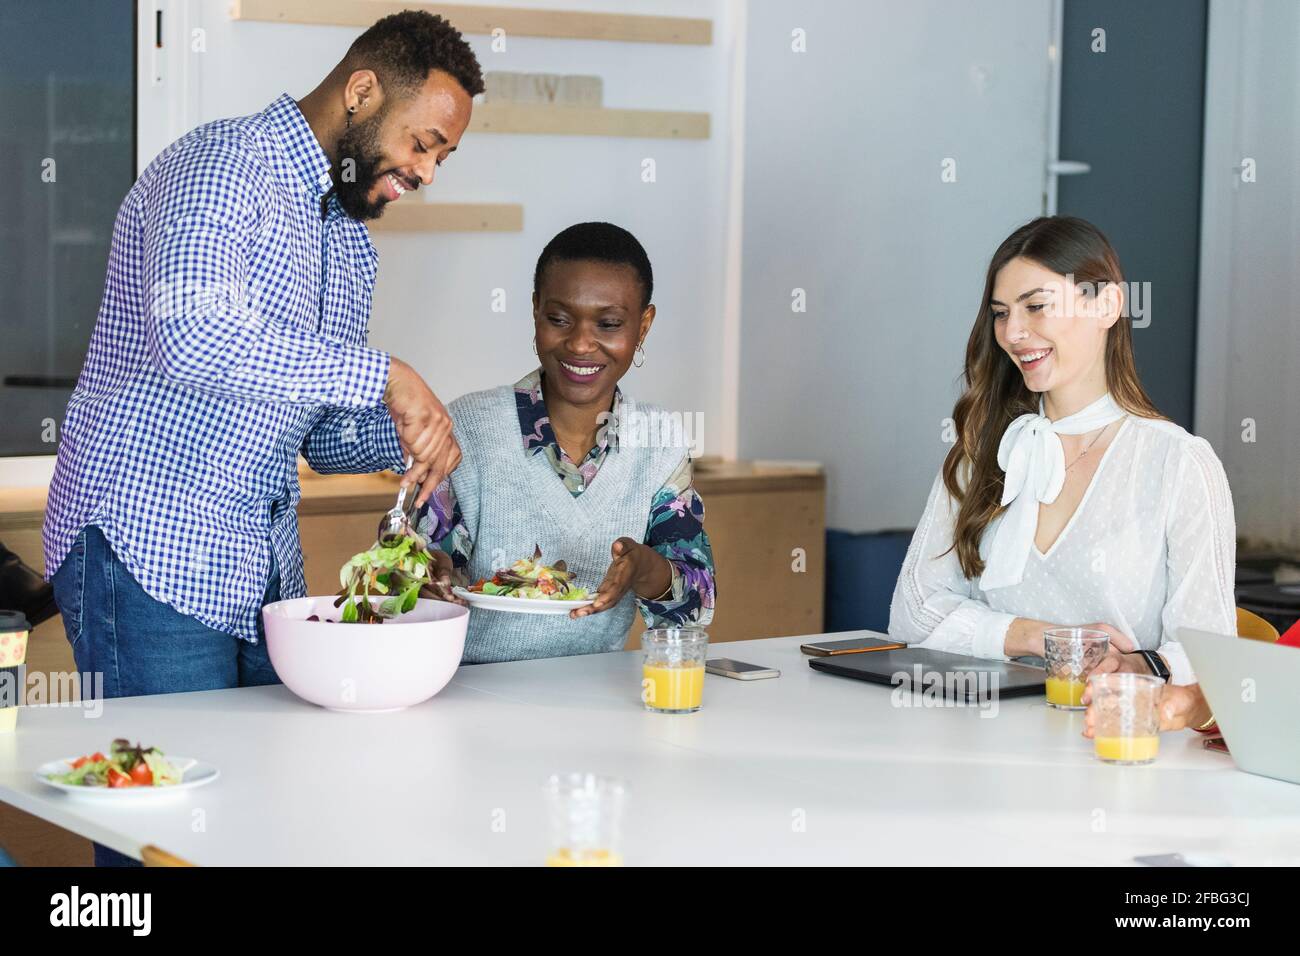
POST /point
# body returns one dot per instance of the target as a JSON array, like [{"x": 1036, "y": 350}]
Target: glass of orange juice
[
  {"x": 586, "y": 819},
  {"x": 13, "y": 653},
  {"x": 1127, "y": 728},
  {"x": 672, "y": 673},
  {"x": 1071, "y": 654}
]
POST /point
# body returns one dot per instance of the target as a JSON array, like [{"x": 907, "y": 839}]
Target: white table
[{"x": 804, "y": 769}]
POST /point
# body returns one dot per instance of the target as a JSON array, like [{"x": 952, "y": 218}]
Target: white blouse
[{"x": 1150, "y": 548}]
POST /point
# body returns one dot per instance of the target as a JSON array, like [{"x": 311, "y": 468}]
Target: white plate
[
  {"x": 193, "y": 774},
  {"x": 518, "y": 605}
]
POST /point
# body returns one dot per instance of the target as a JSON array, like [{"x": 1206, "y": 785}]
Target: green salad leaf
[{"x": 395, "y": 568}]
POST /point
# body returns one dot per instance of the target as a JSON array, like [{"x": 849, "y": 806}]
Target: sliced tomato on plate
[{"x": 118, "y": 779}]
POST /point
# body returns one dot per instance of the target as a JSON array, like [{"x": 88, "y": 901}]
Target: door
[
  {"x": 67, "y": 157},
  {"x": 1131, "y": 109}
]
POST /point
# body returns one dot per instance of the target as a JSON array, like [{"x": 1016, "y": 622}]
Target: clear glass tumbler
[
  {"x": 1127, "y": 727},
  {"x": 586, "y": 819},
  {"x": 672, "y": 673},
  {"x": 1071, "y": 653}
]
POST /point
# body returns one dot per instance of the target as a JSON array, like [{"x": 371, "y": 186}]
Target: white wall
[
  {"x": 1248, "y": 349},
  {"x": 432, "y": 301},
  {"x": 843, "y": 198}
]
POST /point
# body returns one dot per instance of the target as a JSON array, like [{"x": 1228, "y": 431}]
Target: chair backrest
[
  {"x": 1253, "y": 627},
  {"x": 156, "y": 856}
]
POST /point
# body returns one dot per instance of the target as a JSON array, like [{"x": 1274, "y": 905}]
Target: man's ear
[{"x": 363, "y": 91}]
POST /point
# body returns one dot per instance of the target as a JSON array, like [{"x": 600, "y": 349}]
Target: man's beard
[{"x": 359, "y": 144}]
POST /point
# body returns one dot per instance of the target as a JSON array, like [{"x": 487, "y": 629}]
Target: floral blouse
[{"x": 675, "y": 528}]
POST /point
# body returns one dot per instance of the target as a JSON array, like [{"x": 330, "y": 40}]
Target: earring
[
  {"x": 639, "y": 351},
  {"x": 535, "y": 346}
]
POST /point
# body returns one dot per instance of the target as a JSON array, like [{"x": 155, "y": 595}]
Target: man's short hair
[{"x": 405, "y": 47}]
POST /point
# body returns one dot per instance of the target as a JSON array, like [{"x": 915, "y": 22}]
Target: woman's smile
[
  {"x": 1031, "y": 359},
  {"x": 584, "y": 372}
]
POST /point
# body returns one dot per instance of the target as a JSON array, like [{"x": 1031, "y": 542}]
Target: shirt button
[{"x": 356, "y": 399}]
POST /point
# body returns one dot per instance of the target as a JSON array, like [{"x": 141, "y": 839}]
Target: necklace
[{"x": 1079, "y": 457}]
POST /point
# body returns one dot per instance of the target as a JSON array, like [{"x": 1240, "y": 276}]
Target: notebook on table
[{"x": 962, "y": 678}]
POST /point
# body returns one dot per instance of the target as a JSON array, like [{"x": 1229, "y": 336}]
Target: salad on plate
[
  {"x": 124, "y": 766},
  {"x": 529, "y": 578}
]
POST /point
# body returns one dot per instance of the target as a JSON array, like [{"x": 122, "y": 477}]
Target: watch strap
[{"x": 1156, "y": 665}]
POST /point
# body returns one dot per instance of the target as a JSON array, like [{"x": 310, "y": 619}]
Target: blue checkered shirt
[{"x": 230, "y": 338}]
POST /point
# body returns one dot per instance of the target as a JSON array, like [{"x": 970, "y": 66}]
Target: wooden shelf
[
  {"x": 515, "y": 21},
  {"x": 415, "y": 215},
  {"x": 578, "y": 121}
]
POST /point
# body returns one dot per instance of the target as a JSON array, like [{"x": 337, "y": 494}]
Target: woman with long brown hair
[{"x": 1067, "y": 499}]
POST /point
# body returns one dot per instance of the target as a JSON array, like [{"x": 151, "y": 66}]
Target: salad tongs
[{"x": 397, "y": 521}]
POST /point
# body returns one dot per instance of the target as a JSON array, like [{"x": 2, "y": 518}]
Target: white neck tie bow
[{"x": 1033, "y": 459}]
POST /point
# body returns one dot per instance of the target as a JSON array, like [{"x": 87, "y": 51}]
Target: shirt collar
[
  {"x": 302, "y": 151},
  {"x": 535, "y": 424}
]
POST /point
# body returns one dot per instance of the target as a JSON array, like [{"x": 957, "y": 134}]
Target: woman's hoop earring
[
  {"x": 535, "y": 346},
  {"x": 639, "y": 351}
]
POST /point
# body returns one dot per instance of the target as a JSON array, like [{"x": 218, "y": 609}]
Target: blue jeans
[
  {"x": 143, "y": 646},
  {"x": 140, "y": 645}
]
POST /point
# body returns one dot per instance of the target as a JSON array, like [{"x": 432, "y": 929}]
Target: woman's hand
[
  {"x": 636, "y": 567},
  {"x": 1119, "y": 653},
  {"x": 442, "y": 577},
  {"x": 1025, "y": 639},
  {"x": 1180, "y": 707}
]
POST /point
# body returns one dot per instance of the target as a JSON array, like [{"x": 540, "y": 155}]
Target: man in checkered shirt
[{"x": 232, "y": 337}]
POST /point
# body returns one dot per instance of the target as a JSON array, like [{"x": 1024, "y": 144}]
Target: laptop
[
  {"x": 959, "y": 678},
  {"x": 1254, "y": 689}
]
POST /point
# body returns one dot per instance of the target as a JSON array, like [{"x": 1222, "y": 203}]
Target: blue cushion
[{"x": 861, "y": 570}]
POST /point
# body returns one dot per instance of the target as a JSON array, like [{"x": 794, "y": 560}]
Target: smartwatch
[{"x": 1156, "y": 663}]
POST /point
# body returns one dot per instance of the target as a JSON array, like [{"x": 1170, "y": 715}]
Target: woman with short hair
[{"x": 564, "y": 460}]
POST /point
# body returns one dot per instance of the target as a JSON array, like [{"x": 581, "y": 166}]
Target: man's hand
[
  {"x": 635, "y": 566},
  {"x": 1180, "y": 707},
  {"x": 1183, "y": 706},
  {"x": 423, "y": 428},
  {"x": 442, "y": 577}
]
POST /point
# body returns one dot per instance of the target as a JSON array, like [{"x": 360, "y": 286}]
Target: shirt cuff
[
  {"x": 1180, "y": 668},
  {"x": 669, "y": 608},
  {"x": 990, "y": 640},
  {"x": 389, "y": 449},
  {"x": 365, "y": 379}
]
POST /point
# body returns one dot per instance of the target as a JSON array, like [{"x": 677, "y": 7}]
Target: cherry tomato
[
  {"x": 142, "y": 775},
  {"x": 118, "y": 779},
  {"x": 82, "y": 761}
]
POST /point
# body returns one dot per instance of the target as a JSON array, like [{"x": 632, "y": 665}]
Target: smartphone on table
[
  {"x": 858, "y": 645},
  {"x": 738, "y": 670}
]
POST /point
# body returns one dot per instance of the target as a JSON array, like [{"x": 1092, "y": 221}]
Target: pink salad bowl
[{"x": 364, "y": 667}]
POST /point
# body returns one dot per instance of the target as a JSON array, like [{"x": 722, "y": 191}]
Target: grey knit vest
[{"x": 512, "y": 500}]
